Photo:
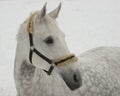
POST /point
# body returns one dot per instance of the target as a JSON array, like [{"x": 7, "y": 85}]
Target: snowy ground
[{"x": 86, "y": 23}]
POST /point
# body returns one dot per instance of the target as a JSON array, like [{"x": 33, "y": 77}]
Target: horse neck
[
  {"x": 23, "y": 42},
  {"x": 22, "y": 50},
  {"x": 45, "y": 85}
]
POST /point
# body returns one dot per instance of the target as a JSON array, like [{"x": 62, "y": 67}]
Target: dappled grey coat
[{"x": 100, "y": 71}]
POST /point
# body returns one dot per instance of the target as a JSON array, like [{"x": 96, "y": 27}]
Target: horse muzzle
[{"x": 72, "y": 78}]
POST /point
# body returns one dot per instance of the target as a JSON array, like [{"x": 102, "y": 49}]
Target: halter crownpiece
[{"x": 58, "y": 62}]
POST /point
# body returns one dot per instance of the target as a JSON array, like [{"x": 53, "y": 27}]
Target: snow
[{"x": 86, "y": 23}]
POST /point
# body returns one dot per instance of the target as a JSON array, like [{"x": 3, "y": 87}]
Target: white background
[{"x": 86, "y": 23}]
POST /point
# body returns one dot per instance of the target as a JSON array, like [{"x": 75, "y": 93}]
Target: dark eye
[{"x": 49, "y": 40}]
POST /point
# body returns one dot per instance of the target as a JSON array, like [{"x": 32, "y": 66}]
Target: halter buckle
[{"x": 32, "y": 48}]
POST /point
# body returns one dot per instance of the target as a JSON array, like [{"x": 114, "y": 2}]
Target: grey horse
[{"x": 45, "y": 67}]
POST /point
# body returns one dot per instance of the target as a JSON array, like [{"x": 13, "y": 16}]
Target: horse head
[{"x": 47, "y": 48}]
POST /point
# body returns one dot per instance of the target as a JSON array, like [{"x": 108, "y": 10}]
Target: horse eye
[{"x": 49, "y": 40}]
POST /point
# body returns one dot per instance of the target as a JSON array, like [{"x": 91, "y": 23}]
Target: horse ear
[
  {"x": 55, "y": 12},
  {"x": 43, "y": 11}
]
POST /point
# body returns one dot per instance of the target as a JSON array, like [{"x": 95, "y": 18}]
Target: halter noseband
[{"x": 59, "y": 62}]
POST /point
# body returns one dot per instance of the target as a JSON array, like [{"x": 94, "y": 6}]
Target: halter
[{"x": 59, "y": 62}]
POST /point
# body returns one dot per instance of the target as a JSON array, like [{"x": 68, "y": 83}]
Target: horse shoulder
[{"x": 100, "y": 72}]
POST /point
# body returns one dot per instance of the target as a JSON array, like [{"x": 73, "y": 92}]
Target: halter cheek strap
[
  {"x": 34, "y": 50},
  {"x": 59, "y": 62}
]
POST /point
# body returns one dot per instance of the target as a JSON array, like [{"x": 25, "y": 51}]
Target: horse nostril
[{"x": 75, "y": 78}]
